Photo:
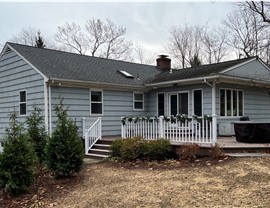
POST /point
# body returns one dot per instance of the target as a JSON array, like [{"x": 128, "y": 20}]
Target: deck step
[
  {"x": 102, "y": 146},
  {"x": 96, "y": 156}
]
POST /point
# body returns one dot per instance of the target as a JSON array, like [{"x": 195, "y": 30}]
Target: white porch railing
[
  {"x": 91, "y": 132},
  {"x": 176, "y": 129}
]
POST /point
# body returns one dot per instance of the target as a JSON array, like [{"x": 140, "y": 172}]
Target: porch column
[{"x": 214, "y": 115}]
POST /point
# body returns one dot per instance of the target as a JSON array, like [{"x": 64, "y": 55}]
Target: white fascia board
[
  {"x": 183, "y": 81},
  {"x": 267, "y": 67},
  {"x": 243, "y": 81},
  {"x": 45, "y": 78},
  {"x": 3, "y": 50},
  {"x": 100, "y": 85},
  {"x": 238, "y": 65}
]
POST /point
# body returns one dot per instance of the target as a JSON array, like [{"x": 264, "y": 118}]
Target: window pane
[
  {"x": 240, "y": 93},
  {"x": 96, "y": 96},
  {"x": 229, "y": 106},
  {"x": 96, "y": 108},
  {"x": 23, "y": 96},
  {"x": 160, "y": 104},
  {"x": 183, "y": 103},
  {"x": 138, "y": 97},
  {"x": 23, "y": 109},
  {"x": 222, "y": 102},
  {"x": 173, "y": 104},
  {"x": 138, "y": 105},
  {"x": 234, "y": 102},
  {"x": 198, "y": 102}
]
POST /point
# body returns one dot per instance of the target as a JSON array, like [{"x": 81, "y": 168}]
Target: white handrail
[
  {"x": 190, "y": 130},
  {"x": 92, "y": 134}
]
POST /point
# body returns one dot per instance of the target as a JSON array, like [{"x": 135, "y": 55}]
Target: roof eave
[
  {"x": 88, "y": 84},
  {"x": 183, "y": 81}
]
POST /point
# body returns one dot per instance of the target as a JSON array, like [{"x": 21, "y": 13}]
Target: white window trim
[
  {"x": 243, "y": 98},
  {"x": 102, "y": 102},
  {"x": 135, "y": 109},
  {"x": 157, "y": 101},
  {"x": 176, "y": 93},
  {"x": 23, "y": 103},
  {"x": 193, "y": 105}
]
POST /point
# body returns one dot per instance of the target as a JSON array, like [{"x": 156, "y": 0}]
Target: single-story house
[{"x": 95, "y": 88}]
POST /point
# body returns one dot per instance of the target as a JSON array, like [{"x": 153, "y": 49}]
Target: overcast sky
[{"x": 147, "y": 23}]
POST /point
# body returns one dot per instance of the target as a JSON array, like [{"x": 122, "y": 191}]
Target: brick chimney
[{"x": 163, "y": 63}]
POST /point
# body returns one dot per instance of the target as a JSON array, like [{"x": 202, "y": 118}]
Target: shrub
[
  {"x": 157, "y": 149},
  {"x": 64, "y": 149},
  {"x": 132, "y": 148},
  {"x": 136, "y": 148},
  {"x": 189, "y": 151},
  {"x": 18, "y": 160},
  {"x": 116, "y": 147},
  {"x": 215, "y": 151},
  {"x": 37, "y": 133}
]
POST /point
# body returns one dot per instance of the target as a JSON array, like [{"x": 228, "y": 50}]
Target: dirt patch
[{"x": 240, "y": 182}]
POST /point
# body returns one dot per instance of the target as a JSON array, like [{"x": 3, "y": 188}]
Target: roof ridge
[
  {"x": 212, "y": 64},
  {"x": 77, "y": 54}
]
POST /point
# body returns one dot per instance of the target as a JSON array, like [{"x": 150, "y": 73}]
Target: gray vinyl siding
[
  {"x": 207, "y": 97},
  {"x": 256, "y": 104},
  {"x": 253, "y": 70},
  {"x": 115, "y": 105},
  {"x": 17, "y": 75}
]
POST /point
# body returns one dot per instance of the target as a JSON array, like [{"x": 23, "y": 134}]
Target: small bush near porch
[{"x": 137, "y": 148}]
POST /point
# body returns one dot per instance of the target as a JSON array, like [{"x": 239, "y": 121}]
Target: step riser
[
  {"x": 104, "y": 142},
  {"x": 99, "y": 152},
  {"x": 101, "y": 147}
]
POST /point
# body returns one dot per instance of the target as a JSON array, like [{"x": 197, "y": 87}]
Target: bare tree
[
  {"x": 27, "y": 36},
  {"x": 214, "y": 44},
  {"x": 103, "y": 39},
  {"x": 262, "y": 8},
  {"x": 72, "y": 36},
  {"x": 245, "y": 32},
  {"x": 142, "y": 55},
  {"x": 184, "y": 43}
]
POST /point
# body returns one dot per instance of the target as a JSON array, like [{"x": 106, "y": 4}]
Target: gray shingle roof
[
  {"x": 194, "y": 72},
  {"x": 63, "y": 65},
  {"x": 70, "y": 66}
]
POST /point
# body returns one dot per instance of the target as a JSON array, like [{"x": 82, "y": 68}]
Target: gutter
[
  {"x": 182, "y": 81},
  {"x": 73, "y": 83}
]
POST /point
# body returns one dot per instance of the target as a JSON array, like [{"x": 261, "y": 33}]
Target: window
[
  {"x": 231, "y": 102},
  {"x": 161, "y": 104},
  {"x": 96, "y": 102},
  {"x": 178, "y": 103},
  {"x": 138, "y": 101},
  {"x": 22, "y": 102},
  {"x": 197, "y": 102}
]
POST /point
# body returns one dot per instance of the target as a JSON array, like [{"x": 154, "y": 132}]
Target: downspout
[
  {"x": 46, "y": 105},
  {"x": 214, "y": 114},
  {"x": 50, "y": 107}
]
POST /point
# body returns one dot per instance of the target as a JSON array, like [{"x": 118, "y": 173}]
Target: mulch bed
[{"x": 46, "y": 188}]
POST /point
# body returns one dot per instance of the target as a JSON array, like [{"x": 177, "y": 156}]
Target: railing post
[
  {"x": 83, "y": 126},
  {"x": 100, "y": 128},
  {"x": 161, "y": 127},
  {"x": 123, "y": 129},
  {"x": 86, "y": 142},
  {"x": 214, "y": 129}
]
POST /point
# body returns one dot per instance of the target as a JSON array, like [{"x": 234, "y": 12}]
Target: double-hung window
[
  {"x": 96, "y": 102},
  {"x": 161, "y": 104},
  {"x": 22, "y": 102},
  {"x": 138, "y": 101},
  {"x": 197, "y": 102},
  {"x": 231, "y": 102}
]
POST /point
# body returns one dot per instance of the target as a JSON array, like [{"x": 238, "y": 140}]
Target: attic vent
[
  {"x": 7, "y": 50},
  {"x": 126, "y": 74}
]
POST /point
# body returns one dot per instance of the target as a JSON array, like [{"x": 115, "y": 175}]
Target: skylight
[{"x": 126, "y": 74}]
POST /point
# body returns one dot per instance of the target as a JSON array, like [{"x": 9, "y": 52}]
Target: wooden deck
[{"x": 229, "y": 144}]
